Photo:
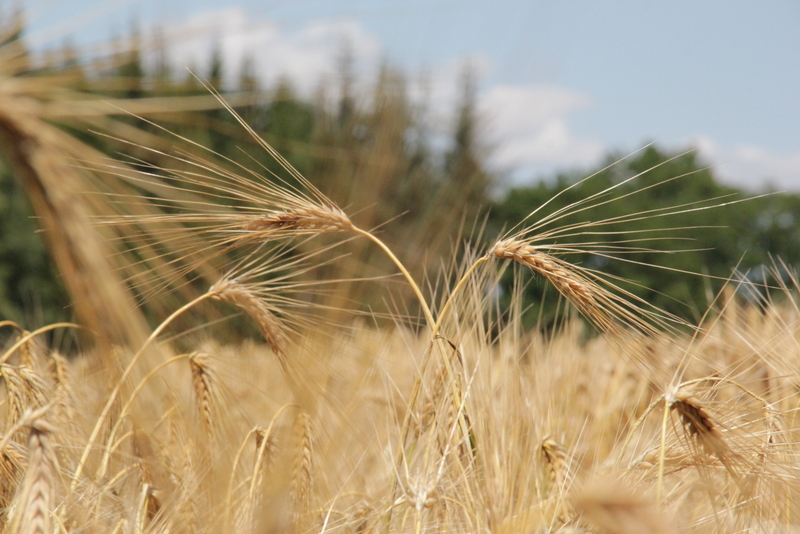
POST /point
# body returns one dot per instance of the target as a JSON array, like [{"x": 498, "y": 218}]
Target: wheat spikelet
[
  {"x": 12, "y": 467},
  {"x": 32, "y": 514},
  {"x": 555, "y": 457},
  {"x": 25, "y": 390},
  {"x": 203, "y": 382},
  {"x": 698, "y": 422},
  {"x": 604, "y": 309},
  {"x": 238, "y": 294},
  {"x": 59, "y": 375},
  {"x": 315, "y": 218},
  {"x": 302, "y": 469}
]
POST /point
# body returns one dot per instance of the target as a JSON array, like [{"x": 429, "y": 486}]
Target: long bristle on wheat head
[
  {"x": 238, "y": 294},
  {"x": 609, "y": 312}
]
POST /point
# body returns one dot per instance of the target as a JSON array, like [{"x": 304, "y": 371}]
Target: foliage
[
  {"x": 376, "y": 154},
  {"x": 710, "y": 242}
]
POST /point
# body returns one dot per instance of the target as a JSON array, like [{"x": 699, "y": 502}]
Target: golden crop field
[{"x": 440, "y": 412}]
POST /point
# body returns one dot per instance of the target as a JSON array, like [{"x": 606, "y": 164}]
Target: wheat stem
[
  {"x": 126, "y": 407},
  {"x": 30, "y": 335},
  {"x": 663, "y": 451},
  {"x": 635, "y": 427},
  {"x": 112, "y": 397},
  {"x": 443, "y": 313},
  {"x": 236, "y": 459},
  {"x": 424, "y": 303}
]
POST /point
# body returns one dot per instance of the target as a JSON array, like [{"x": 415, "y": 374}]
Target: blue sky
[{"x": 561, "y": 82}]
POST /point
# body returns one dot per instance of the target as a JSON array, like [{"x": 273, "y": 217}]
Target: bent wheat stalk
[
  {"x": 23, "y": 339},
  {"x": 113, "y": 396},
  {"x": 110, "y": 447},
  {"x": 266, "y": 209}
]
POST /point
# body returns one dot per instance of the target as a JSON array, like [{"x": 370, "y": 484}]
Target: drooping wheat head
[
  {"x": 556, "y": 461},
  {"x": 240, "y": 295},
  {"x": 698, "y": 423}
]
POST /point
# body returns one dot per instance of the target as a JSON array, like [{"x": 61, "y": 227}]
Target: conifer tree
[{"x": 464, "y": 163}]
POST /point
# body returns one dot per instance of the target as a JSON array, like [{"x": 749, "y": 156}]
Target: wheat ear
[
  {"x": 303, "y": 463},
  {"x": 597, "y": 304},
  {"x": 238, "y": 294},
  {"x": 203, "y": 382},
  {"x": 25, "y": 390},
  {"x": 36, "y": 500},
  {"x": 555, "y": 458},
  {"x": 59, "y": 375},
  {"x": 12, "y": 468},
  {"x": 698, "y": 422},
  {"x": 320, "y": 219},
  {"x": 26, "y": 355}
]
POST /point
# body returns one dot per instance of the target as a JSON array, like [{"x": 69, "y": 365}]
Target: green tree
[
  {"x": 464, "y": 162},
  {"x": 679, "y": 230}
]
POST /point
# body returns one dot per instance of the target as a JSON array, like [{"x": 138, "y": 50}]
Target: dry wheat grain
[{"x": 36, "y": 499}]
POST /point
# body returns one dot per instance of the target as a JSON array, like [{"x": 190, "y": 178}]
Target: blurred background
[{"x": 444, "y": 113}]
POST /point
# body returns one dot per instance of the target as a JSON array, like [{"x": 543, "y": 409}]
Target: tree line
[{"x": 375, "y": 154}]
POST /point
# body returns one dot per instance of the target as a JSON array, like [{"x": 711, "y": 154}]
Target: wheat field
[{"x": 439, "y": 413}]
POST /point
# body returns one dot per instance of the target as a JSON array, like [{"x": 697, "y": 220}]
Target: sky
[{"x": 560, "y": 83}]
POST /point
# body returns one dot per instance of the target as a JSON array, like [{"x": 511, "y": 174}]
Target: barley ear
[
  {"x": 698, "y": 422},
  {"x": 555, "y": 459},
  {"x": 302, "y": 470},
  {"x": 35, "y": 505},
  {"x": 238, "y": 294},
  {"x": 312, "y": 218},
  {"x": 203, "y": 383}
]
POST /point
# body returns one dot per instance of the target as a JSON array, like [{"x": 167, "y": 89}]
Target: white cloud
[
  {"x": 528, "y": 125},
  {"x": 305, "y": 56},
  {"x": 530, "y": 129},
  {"x": 750, "y": 166}
]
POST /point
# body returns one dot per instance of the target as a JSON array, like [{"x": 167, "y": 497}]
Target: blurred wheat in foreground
[{"x": 459, "y": 422}]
